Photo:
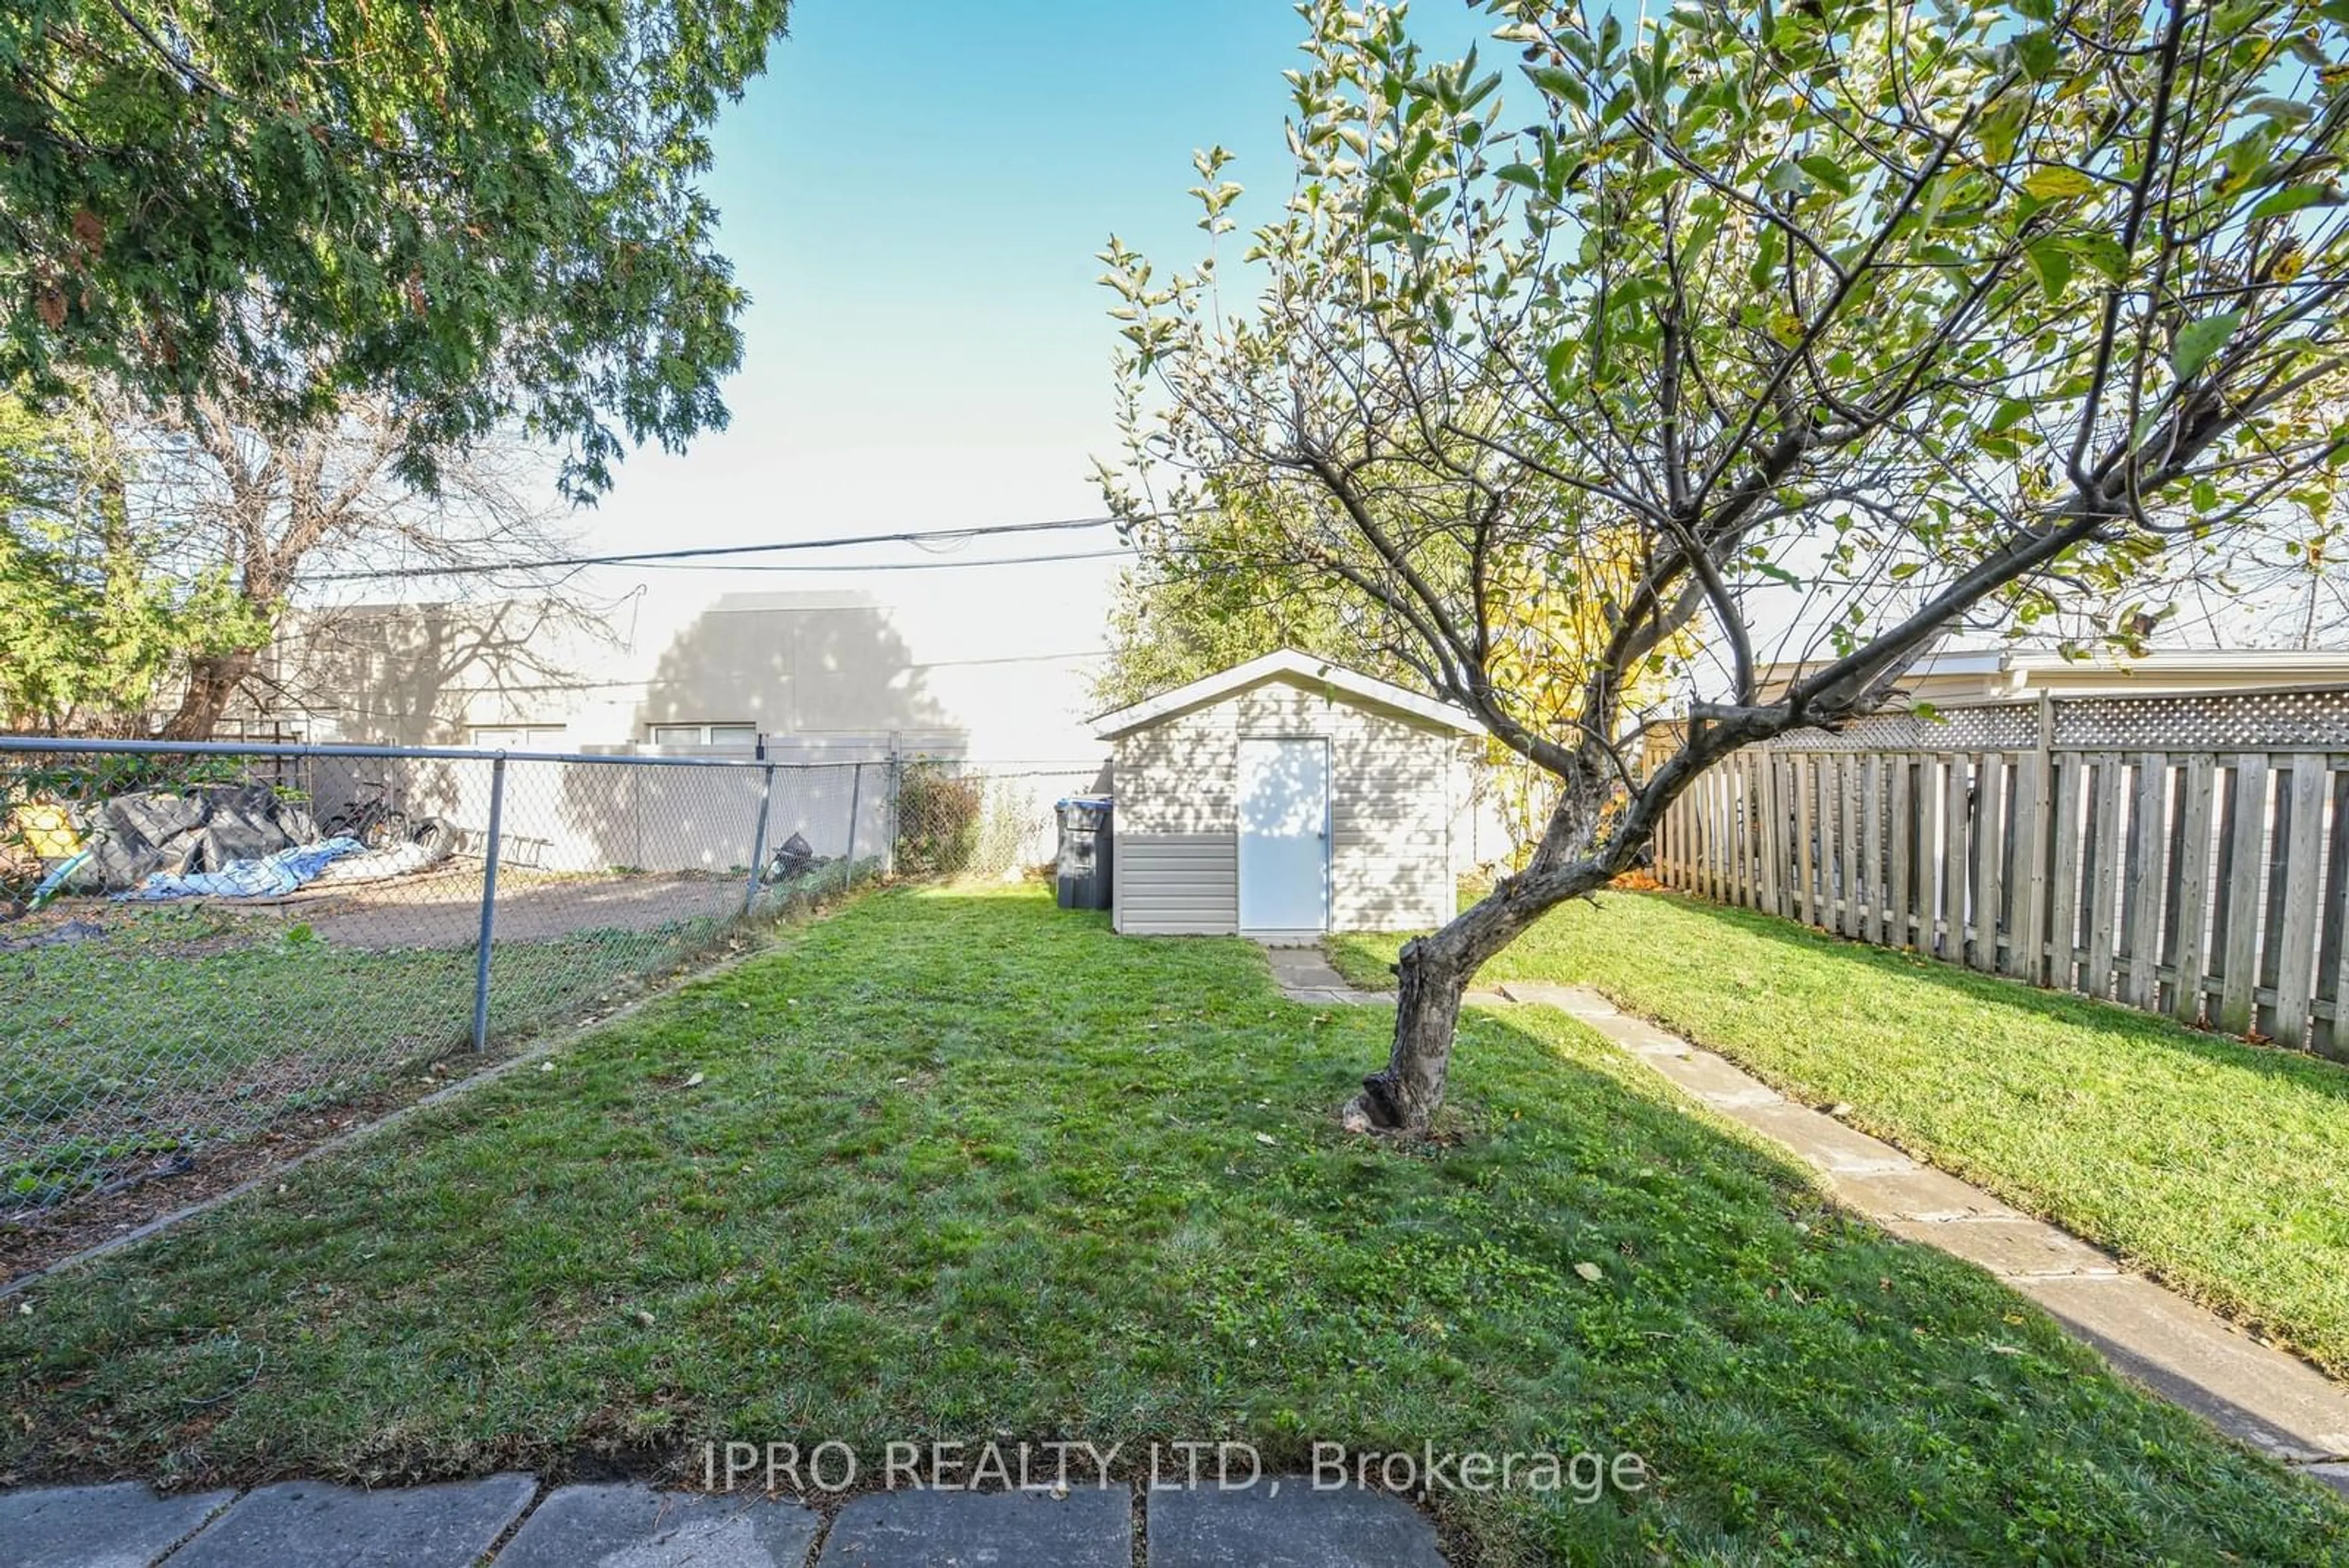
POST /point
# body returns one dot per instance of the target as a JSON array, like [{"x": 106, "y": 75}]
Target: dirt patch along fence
[
  {"x": 2183, "y": 855},
  {"x": 491, "y": 896}
]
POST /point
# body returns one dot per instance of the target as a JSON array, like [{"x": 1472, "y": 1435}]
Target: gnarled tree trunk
[
  {"x": 1600, "y": 828},
  {"x": 1435, "y": 971},
  {"x": 1432, "y": 976},
  {"x": 212, "y": 682}
]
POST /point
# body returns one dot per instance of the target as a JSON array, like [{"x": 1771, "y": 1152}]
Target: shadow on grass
[
  {"x": 953, "y": 1166},
  {"x": 2214, "y": 1163}
]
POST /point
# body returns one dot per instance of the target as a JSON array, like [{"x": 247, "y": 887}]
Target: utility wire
[
  {"x": 644, "y": 557},
  {"x": 891, "y": 565}
]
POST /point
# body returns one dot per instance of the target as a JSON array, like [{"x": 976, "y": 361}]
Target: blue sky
[
  {"x": 915, "y": 193},
  {"x": 914, "y": 196}
]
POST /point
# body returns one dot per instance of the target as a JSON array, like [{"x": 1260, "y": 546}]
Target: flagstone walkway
[
  {"x": 512, "y": 1521},
  {"x": 2268, "y": 1400}
]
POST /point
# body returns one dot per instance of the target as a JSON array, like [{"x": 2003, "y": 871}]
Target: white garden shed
[{"x": 1285, "y": 797}]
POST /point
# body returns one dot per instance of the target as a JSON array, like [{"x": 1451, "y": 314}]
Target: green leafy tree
[
  {"x": 94, "y": 618},
  {"x": 1203, "y": 604},
  {"x": 1846, "y": 325},
  {"x": 476, "y": 210}
]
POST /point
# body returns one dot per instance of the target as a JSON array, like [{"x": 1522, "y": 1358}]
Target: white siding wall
[
  {"x": 1177, "y": 854},
  {"x": 1390, "y": 808}
]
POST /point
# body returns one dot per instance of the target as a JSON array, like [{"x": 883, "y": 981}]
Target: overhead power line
[
  {"x": 924, "y": 537},
  {"x": 892, "y": 565}
]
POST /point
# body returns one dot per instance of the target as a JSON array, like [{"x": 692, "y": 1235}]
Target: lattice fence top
[
  {"x": 2197, "y": 722},
  {"x": 2212, "y": 722},
  {"x": 2007, "y": 726}
]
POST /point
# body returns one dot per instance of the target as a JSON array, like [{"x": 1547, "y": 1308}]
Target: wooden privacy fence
[{"x": 2188, "y": 856}]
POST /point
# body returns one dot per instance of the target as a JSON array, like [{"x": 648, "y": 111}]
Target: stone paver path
[
  {"x": 2256, "y": 1393},
  {"x": 505, "y": 1520},
  {"x": 1304, "y": 975}
]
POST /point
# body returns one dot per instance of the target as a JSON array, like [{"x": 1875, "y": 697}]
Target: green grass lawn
[
  {"x": 963, "y": 1166},
  {"x": 185, "y": 1026},
  {"x": 2221, "y": 1167}
]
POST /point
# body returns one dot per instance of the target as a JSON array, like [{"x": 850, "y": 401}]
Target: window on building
[
  {"x": 519, "y": 737},
  {"x": 733, "y": 737}
]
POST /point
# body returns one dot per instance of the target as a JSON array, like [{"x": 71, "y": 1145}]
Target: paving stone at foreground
[
  {"x": 1287, "y": 1524},
  {"x": 121, "y": 1526},
  {"x": 304, "y": 1524},
  {"x": 1922, "y": 1193},
  {"x": 1336, "y": 995},
  {"x": 1578, "y": 1000},
  {"x": 1087, "y": 1528},
  {"x": 2011, "y": 1249},
  {"x": 1714, "y": 1079},
  {"x": 1822, "y": 1141},
  {"x": 630, "y": 1525},
  {"x": 1303, "y": 966},
  {"x": 2253, "y": 1392},
  {"x": 1636, "y": 1035}
]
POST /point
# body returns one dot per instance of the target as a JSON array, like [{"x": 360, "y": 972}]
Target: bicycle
[{"x": 377, "y": 822}]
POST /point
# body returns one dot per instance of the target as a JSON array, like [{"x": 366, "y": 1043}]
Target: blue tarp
[{"x": 269, "y": 877}]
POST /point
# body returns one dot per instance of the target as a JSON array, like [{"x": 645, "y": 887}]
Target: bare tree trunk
[
  {"x": 212, "y": 682},
  {"x": 1432, "y": 976}
]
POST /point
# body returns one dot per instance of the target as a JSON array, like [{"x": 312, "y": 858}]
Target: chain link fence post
[
  {"x": 489, "y": 903},
  {"x": 759, "y": 838},
  {"x": 855, "y": 804},
  {"x": 896, "y": 786}
]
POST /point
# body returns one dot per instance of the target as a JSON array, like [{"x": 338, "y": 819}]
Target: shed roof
[{"x": 1303, "y": 668}]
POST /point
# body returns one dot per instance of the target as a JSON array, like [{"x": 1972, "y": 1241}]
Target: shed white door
[{"x": 1284, "y": 835}]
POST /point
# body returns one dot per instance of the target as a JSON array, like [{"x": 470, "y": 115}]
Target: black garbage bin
[{"x": 1085, "y": 858}]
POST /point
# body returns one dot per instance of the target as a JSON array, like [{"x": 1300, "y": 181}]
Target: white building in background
[
  {"x": 807, "y": 675},
  {"x": 2008, "y": 674}
]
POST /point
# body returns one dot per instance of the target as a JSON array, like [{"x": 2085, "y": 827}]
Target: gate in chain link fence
[{"x": 208, "y": 940}]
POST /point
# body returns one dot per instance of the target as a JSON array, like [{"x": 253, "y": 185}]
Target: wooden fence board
[
  {"x": 1826, "y": 824},
  {"x": 1710, "y": 808},
  {"x": 1990, "y": 780},
  {"x": 1699, "y": 850},
  {"x": 1866, "y": 885},
  {"x": 2139, "y": 983},
  {"x": 2207, "y": 885},
  {"x": 2334, "y": 961},
  {"x": 1956, "y": 845},
  {"x": 1848, "y": 841},
  {"x": 1749, "y": 873},
  {"x": 1805, "y": 794},
  {"x": 2190, "y": 955},
  {"x": 2063, "y": 921},
  {"x": 2103, "y": 876},
  {"x": 2296, "y": 933},
  {"x": 1902, "y": 933},
  {"x": 2028, "y": 870},
  {"x": 2246, "y": 824}
]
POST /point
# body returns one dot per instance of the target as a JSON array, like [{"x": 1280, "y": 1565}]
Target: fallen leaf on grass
[{"x": 1590, "y": 1272}]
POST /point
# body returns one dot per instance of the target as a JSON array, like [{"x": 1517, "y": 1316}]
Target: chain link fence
[{"x": 202, "y": 942}]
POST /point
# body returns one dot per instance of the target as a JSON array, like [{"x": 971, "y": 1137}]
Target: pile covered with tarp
[
  {"x": 205, "y": 828},
  {"x": 270, "y": 876}
]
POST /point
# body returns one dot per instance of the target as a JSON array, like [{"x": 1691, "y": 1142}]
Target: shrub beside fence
[
  {"x": 494, "y": 896},
  {"x": 2188, "y": 856}
]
